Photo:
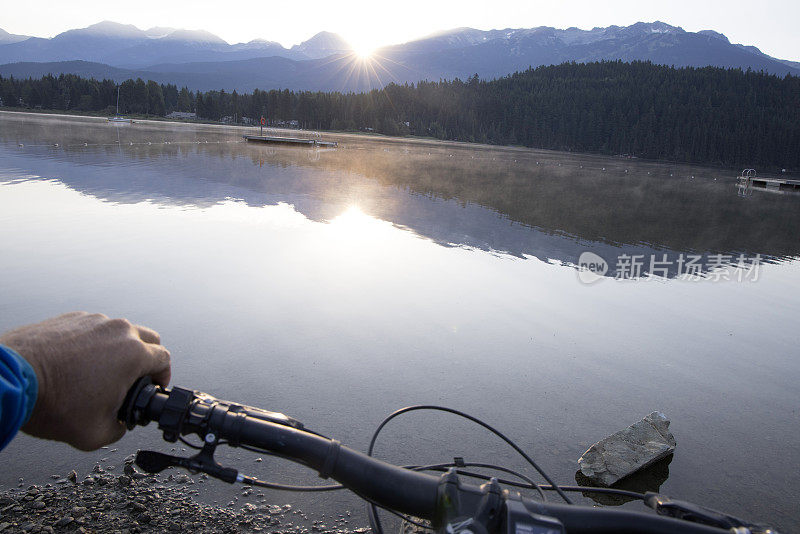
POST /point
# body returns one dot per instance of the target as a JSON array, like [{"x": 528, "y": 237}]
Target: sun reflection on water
[{"x": 354, "y": 224}]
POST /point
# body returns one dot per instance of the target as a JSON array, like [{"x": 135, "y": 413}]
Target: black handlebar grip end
[{"x": 126, "y": 412}]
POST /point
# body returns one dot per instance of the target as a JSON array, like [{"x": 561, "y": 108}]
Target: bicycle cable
[{"x": 474, "y": 420}]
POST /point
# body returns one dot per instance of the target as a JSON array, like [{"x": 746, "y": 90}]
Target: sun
[{"x": 363, "y": 52}]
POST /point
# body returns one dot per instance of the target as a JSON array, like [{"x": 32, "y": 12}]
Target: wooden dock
[
  {"x": 749, "y": 181},
  {"x": 290, "y": 140}
]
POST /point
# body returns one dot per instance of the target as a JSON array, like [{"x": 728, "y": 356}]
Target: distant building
[
  {"x": 182, "y": 115},
  {"x": 291, "y": 124}
]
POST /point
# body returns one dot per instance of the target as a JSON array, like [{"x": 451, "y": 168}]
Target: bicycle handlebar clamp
[
  {"x": 132, "y": 411},
  {"x": 174, "y": 412}
]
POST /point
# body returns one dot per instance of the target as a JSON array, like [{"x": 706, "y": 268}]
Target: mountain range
[
  {"x": 201, "y": 60},
  {"x": 126, "y": 46}
]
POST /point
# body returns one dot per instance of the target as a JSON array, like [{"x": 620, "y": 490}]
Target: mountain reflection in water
[{"x": 552, "y": 206}]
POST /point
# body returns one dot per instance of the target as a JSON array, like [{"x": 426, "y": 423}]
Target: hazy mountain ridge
[
  {"x": 497, "y": 52},
  {"x": 8, "y": 38},
  {"x": 322, "y": 45},
  {"x": 126, "y": 46},
  {"x": 201, "y": 60}
]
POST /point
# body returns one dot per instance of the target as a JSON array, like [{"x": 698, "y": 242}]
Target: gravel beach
[{"x": 134, "y": 502}]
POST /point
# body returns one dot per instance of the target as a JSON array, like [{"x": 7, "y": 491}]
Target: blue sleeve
[{"x": 18, "y": 390}]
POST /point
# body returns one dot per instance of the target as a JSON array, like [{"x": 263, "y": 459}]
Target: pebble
[
  {"x": 78, "y": 511},
  {"x": 64, "y": 521}
]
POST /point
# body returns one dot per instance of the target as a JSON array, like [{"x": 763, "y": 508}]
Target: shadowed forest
[{"x": 694, "y": 115}]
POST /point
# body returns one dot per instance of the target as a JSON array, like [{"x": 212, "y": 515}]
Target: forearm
[{"x": 18, "y": 391}]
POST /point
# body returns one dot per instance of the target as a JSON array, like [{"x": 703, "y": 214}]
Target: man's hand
[{"x": 85, "y": 364}]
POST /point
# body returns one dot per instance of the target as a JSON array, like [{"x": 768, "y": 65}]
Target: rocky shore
[{"x": 133, "y": 502}]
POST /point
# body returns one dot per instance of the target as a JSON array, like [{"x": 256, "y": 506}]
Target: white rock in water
[{"x": 629, "y": 450}]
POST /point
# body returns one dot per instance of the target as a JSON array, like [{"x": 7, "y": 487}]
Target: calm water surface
[{"x": 340, "y": 285}]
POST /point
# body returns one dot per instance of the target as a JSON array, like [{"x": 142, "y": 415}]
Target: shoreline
[
  {"x": 370, "y": 136},
  {"x": 135, "y": 502}
]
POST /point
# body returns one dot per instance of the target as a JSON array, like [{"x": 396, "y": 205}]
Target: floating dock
[
  {"x": 290, "y": 140},
  {"x": 749, "y": 181}
]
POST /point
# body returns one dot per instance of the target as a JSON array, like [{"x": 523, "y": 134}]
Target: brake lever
[{"x": 203, "y": 461}]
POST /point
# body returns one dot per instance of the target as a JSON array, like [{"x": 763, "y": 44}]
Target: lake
[{"x": 338, "y": 285}]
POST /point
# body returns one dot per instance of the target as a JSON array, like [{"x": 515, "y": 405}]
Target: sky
[{"x": 771, "y": 25}]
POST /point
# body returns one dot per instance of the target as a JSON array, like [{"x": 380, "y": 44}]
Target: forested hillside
[{"x": 702, "y": 115}]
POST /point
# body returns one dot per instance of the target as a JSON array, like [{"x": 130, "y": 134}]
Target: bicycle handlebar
[{"x": 440, "y": 499}]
